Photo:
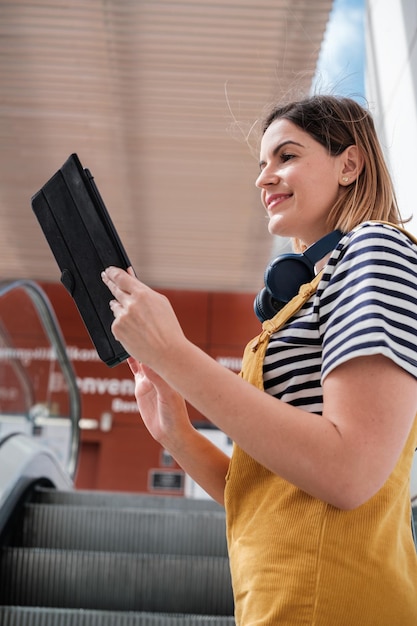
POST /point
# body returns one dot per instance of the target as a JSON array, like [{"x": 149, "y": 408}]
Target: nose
[{"x": 267, "y": 176}]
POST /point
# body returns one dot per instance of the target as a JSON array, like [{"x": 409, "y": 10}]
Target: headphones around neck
[{"x": 285, "y": 275}]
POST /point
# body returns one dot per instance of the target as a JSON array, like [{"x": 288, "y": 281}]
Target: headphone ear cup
[
  {"x": 284, "y": 276},
  {"x": 265, "y": 306}
]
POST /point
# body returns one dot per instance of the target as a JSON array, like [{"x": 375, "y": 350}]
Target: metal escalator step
[
  {"x": 115, "y": 581},
  {"x": 35, "y": 616},
  {"x": 123, "y": 530},
  {"x": 125, "y": 500}
]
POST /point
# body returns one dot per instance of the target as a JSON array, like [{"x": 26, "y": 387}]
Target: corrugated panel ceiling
[{"x": 160, "y": 99}]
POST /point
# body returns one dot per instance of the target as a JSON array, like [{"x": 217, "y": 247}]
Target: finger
[
  {"x": 115, "y": 289},
  {"x": 108, "y": 281},
  {"x": 114, "y": 305},
  {"x": 116, "y": 277},
  {"x": 152, "y": 375},
  {"x": 134, "y": 365}
]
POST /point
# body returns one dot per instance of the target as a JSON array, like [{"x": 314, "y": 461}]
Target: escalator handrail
[{"x": 54, "y": 333}]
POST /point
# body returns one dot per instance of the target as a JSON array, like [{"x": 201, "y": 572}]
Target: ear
[{"x": 351, "y": 165}]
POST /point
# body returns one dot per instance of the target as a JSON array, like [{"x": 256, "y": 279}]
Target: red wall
[{"x": 125, "y": 457}]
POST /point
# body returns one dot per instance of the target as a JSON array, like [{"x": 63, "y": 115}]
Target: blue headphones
[{"x": 285, "y": 275}]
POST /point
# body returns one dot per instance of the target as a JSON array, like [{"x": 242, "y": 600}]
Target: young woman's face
[{"x": 299, "y": 182}]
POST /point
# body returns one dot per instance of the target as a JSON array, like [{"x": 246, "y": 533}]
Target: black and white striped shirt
[{"x": 366, "y": 303}]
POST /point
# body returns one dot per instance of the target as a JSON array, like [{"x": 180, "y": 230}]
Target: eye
[{"x": 286, "y": 156}]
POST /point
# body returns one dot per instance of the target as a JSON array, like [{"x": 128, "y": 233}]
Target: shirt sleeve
[{"x": 369, "y": 305}]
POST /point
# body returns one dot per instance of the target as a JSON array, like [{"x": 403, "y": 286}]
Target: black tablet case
[{"x": 84, "y": 242}]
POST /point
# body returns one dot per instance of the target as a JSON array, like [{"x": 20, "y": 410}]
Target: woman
[{"x": 316, "y": 494}]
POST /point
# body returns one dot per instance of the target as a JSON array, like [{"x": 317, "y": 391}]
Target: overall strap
[
  {"x": 269, "y": 327},
  {"x": 254, "y": 354}
]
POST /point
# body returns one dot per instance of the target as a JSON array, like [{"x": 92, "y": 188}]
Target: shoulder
[
  {"x": 379, "y": 235},
  {"x": 372, "y": 257},
  {"x": 367, "y": 300},
  {"x": 374, "y": 243}
]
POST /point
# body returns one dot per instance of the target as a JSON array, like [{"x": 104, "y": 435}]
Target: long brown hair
[{"x": 336, "y": 123}]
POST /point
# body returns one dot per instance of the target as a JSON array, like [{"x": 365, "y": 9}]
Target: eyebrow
[{"x": 280, "y": 146}]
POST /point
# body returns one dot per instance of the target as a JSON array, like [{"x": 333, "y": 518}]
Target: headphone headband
[{"x": 323, "y": 246}]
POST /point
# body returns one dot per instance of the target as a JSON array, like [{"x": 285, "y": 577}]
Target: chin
[{"x": 278, "y": 229}]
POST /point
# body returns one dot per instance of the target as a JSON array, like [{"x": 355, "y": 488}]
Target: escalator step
[
  {"x": 124, "y": 500},
  {"x": 115, "y": 581},
  {"x": 35, "y": 616},
  {"x": 122, "y": 530}
]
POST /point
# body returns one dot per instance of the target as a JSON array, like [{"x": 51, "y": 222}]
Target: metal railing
[{"x": 54, "y": 334}]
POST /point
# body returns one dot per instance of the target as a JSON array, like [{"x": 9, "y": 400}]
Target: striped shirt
[{"x": 366, "y": 303}]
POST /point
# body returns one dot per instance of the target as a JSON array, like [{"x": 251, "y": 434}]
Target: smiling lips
[{"x": 276, "y": 198}]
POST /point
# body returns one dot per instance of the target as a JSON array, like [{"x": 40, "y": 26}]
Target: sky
[{"x": 341, "y": 63}]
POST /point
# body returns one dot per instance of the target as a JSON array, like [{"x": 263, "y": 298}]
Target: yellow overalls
[{"x": 297, "y": 560}]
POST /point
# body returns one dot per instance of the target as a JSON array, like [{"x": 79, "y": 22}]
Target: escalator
[
  {"x": 70, "y": 557},
  {"x": 81, "y": 558}
]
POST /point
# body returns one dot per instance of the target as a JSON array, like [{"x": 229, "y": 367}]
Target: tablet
[{"x": 84, "y": 241}]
